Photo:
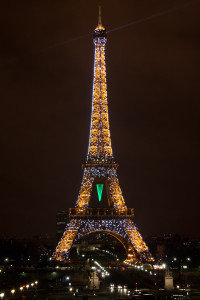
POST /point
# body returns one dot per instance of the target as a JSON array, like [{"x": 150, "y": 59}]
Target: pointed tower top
[
  {"x": 99, "y": 18},
  {"x": 100, "y": 31}
]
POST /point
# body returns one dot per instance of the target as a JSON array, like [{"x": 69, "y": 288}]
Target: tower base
[{"x": 120, "y": 226}]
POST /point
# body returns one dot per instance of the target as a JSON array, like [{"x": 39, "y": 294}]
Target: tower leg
[
  {"x": 137, "y": 242},
  {"x": 62, "y": 250},
  {"x": 116, "y": 194},
  {"x": 85, "y": 192}
]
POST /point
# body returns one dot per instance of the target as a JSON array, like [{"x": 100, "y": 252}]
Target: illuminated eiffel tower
[{"x": 100, "y": 170}]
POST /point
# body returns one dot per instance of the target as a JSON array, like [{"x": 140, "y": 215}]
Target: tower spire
[
  {"x": 100, "y": 142},
  {"x": 99, "y": 17}
]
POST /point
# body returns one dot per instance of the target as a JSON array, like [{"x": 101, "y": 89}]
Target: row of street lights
[{"x": 21, "y": 288}]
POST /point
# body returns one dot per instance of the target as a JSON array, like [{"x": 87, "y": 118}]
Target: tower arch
[{"x": 111, "y": 233}]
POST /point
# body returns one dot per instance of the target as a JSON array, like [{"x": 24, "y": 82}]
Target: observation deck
[
  {"x": 100, "y": 163},
  {"x": 108, "y": 213}
]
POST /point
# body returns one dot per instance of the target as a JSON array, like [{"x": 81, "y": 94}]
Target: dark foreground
[
  {"x": 107, "y": 294},
  {"x": 71, "y": 283}
]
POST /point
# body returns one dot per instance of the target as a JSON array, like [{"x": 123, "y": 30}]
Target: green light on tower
[{"x": 99, "y": 191}]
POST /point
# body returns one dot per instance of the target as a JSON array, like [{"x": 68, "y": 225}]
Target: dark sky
[{"x": 46, "y": 74}]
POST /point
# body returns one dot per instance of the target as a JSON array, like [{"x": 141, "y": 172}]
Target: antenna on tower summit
[{"x": 99, "y": 18}]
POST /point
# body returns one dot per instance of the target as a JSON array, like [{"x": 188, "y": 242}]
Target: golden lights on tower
[
  {"x": 100, "y": 164},
  {"x": 100, "y": 142}
]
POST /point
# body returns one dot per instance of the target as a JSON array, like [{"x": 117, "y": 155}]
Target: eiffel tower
[{"x": 100, "y": 170}]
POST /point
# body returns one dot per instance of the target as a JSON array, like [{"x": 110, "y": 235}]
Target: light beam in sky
[{"x": 63, "y": 43}]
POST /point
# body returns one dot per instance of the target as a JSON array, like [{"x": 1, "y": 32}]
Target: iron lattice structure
[{"x": 100, "y": 166}]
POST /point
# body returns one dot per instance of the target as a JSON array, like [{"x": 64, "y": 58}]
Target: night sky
[{"x": 46, "y": 75}]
